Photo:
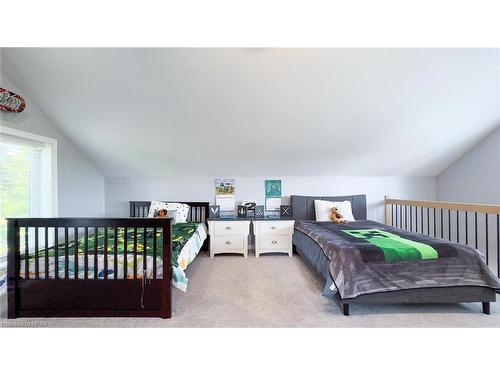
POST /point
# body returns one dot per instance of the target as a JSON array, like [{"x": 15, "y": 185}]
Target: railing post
[
  {"x": 167, "y": 268},
  {"x": 388, "y": 211},
  {"x": 12, "y": 268}
]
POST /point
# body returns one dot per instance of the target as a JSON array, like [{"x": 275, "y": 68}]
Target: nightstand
[
  {"x": 229, "y": 236},
  {"x": 273, "y": 236}
]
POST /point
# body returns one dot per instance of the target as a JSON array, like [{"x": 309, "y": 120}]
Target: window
[{"x": 28, "y": 178}]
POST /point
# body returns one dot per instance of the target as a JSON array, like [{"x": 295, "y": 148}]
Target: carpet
[{"x": 277, "y": 291}]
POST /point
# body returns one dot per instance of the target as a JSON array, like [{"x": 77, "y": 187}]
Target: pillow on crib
[
  {"x": 179, "y": 210},
  {"x": 164, "y": 213},
  {"x": 160, "y": 209},
  {"x": 323, "y": 209}
]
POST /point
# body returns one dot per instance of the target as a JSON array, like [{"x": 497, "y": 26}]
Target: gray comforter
[{"x": 368, "y": 257}]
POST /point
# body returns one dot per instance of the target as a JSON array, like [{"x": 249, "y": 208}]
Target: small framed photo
[
  {"x": 242, "y": 211},
  {"x": 285, "y": 211},
  {"x": 213, "y": 212}
]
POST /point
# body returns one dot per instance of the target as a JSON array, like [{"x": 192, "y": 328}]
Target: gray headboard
[{"x": 303, "y": 206}]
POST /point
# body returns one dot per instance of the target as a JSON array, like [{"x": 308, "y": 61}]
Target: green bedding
[
  {"x": 181, "y": 233},
  {"x": 187, "y": 240}
]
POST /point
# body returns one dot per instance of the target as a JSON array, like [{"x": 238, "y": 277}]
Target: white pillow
[
  {"x": 181, "y": 210},
  {"x": 323, "y": 210}
]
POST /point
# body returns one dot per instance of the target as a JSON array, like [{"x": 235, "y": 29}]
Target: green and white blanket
[
  {"x": 187, "y": 240},
  {"x": 368, "y": 257}
]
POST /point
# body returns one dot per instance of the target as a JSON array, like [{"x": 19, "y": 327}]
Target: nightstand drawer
[
  {"x": 232, "y": 228},
  {"x": 274, "y": 242},
  {"x": 228, "y": 243},
  {"x": 276, "y": 228}
]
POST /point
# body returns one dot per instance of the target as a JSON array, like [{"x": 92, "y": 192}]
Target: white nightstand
[
  {"x": 273, "y": 236},
  {"x": 229, "y": 236}
]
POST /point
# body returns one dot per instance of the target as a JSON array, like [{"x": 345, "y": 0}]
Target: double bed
[
  {"x": 101, "y": 266},
  {"x": 368, "y": 262}
]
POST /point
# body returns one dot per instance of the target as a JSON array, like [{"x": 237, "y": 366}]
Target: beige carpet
[{"x": 278, "y": 291}]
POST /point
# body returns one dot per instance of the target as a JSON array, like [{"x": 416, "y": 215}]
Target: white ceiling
[{"x": 159, "y": 112}]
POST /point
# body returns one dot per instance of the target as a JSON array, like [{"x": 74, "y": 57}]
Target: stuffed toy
[{"x": 336, "y": 216}]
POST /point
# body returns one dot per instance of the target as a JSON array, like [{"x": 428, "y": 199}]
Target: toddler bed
[{"x": 101, "y": 266}]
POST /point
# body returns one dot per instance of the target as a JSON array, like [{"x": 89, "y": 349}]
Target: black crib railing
[
  {"x": 476, "y": 225},
  {"x": 80, "y": 240}
]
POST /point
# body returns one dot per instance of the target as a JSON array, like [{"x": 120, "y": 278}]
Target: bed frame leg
[
  {"x": 345, "y": 309},
  {"x": 486, "y": 308}
]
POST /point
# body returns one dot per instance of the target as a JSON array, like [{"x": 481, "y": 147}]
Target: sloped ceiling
[{"x": 365, "y": 112}]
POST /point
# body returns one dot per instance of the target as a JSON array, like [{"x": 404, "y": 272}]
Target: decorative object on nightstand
[
  {"x": 214, "y": 212},
  {"x": 259, "y": 211},
  {"x": 273, "y": 236},
  {"x": 250, "y": 205},
  {"x": 285, "y": 211},
  {"x": 228, "y": 236},
  {"x": 242, "y": 211}
]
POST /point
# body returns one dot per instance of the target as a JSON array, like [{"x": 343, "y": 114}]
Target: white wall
[
  {"x": 119, "y": 191},
  {"x": 475, "y": 177},
  {"x": 80, "y": 185}
]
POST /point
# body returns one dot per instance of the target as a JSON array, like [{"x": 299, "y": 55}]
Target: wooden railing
[{"x": 476, "y": 225}]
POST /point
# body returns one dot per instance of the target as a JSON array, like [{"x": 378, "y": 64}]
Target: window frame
[{"x": 53, "y": 158}]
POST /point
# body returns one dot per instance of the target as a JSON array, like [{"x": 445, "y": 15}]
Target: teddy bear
[{"x": 336, "y": 216}]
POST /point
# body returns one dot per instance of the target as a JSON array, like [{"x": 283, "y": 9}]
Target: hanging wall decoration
[
  {"x": 225, "y": 195},
  {"x": 273, "y": 195},
  {"x": 10, "y": 102}
]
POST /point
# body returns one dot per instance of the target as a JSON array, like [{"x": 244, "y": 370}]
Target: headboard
[
  {"x": 198, "y": 210},
  {"x": 303, "y": 206}
]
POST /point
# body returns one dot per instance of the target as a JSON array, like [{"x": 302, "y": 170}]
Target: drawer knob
[
  {"x": 228, "y": 227},
  {"x": 273, "y": 228},
  {"x": 274, "y": 242},
  {"x": 228, "y": 242}
]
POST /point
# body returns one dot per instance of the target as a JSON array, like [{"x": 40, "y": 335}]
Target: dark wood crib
[{"x": 40, "y": 293}]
